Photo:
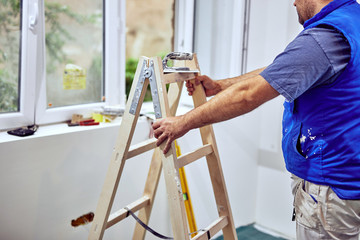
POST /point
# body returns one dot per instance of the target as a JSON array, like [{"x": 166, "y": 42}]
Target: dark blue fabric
[
  {"x": 316, "y": 56},
  {"x": 321, "y": 128}
]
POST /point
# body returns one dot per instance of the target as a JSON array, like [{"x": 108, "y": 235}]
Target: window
[
  {"x": 60, "y": 57},
  {"x": 52, "y": 59},
  {"x": 82, "y": 54},
  {"x": 74, "y": 52}
]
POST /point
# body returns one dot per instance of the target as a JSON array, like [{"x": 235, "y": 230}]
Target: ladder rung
[
  {"x": 122, "y": 213},
  {"x": 142, "y": 147},
  {"x": 212, "y": 229},
  {"x": 177, "y": 77},
  {"x": 195, "y": 155}
]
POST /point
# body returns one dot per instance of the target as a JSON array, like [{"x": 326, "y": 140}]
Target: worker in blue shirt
[{"x": 319, "y": 76}]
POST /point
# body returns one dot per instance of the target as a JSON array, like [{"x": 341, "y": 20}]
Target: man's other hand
[
  {"x": 210, "y": 86},
  {"x": 169, "y": 129}
]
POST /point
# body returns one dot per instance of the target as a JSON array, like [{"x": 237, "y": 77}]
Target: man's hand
[
  {"x": 169, "y": 129},
  {"x": 210, "y": 86}
]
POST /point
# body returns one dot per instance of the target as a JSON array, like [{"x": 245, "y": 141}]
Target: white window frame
[
  {"x": 25, "y": 116},
  {"x": 184, "y": 26},
  {"x": 33, "y": 104},
  {"x": 32, "y": 99}
]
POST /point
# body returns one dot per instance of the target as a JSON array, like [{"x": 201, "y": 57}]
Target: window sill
[
  {"x": 63, "y": 128},
  {"x": 55, "y": 129}
]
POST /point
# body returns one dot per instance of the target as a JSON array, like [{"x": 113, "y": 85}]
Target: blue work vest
[{"x": 321, "y": 128}]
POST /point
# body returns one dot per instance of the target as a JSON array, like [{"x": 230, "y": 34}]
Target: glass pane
[
  {"x": 150, "y": 33},
  {"x": 74, "y": 52},
  {"x": 10, "y": 26}
]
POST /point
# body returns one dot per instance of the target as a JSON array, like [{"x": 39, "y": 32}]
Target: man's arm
[
  {"x": 225, "y": 83},
  {"x": 212, "y": 87},
  {"x": 237, "y": 99}
]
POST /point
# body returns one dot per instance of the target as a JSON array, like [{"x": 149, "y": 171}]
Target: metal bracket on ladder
[{"x": 147, "y": 72}]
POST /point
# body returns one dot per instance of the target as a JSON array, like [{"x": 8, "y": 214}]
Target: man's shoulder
[{"x": 324, "y": 33}]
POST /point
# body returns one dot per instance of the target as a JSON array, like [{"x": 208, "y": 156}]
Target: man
[{"x": 319, "y": 75}]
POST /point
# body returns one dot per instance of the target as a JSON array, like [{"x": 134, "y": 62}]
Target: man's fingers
[
  {"x": 157, "y": 132},
  {"x": 189, "y": 84},
  {"x": 161, "y": 139},
  {"x": 165, "y": 130},
  {"x": 167, "y": 145},
  {"x": 199, "y": 79},
  {"x": 190, "y": 88},
  {"x": 155, "y": 125}
]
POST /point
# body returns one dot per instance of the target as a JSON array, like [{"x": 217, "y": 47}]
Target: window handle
[{"x": 33, "y": 19}]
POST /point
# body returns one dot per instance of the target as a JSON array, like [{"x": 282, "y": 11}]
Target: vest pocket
[{"x": 297, "y": 141}]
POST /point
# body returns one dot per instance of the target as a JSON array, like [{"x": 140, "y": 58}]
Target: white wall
[
  {"x": 259, "y": 185},
  {"x": 272, "y": 26},
  {"x": 218, "y": 44},
  {"x": 46, "y": 181}
]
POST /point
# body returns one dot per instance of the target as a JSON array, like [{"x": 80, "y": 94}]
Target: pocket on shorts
[
  {"x": 306, "y": 209},
  {"x": 342, "y": 215}
]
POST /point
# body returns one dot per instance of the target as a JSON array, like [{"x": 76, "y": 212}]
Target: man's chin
[{"x": 301, "y": 21}]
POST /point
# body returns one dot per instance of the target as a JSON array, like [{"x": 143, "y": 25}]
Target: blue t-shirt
[{"x": 315, "y": 57}]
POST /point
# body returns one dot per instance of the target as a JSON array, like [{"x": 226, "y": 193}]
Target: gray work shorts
[{"x": 321, "y": 214}]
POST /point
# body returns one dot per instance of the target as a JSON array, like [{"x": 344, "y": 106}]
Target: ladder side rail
[
  {"x": 117, "y": 161},
  {"x": 174, "y": 94},
  {"x": 156, "y": 164},
  {"x": 170, "y": 169},
  {"x": 214, "y": 166}
]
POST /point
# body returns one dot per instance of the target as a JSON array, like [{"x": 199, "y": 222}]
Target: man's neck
[{"x": 320, "y": 5}]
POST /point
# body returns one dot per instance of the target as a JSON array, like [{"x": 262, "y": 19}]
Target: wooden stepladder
[{"x": 154, "y": 72}]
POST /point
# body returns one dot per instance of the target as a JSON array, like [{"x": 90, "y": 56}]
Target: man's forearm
[
  {"x": 225, "y": 83},
  {"x": 238, "y": 99}
]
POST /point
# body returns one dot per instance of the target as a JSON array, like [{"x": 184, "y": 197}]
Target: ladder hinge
[{"x": 147, "y": 72}]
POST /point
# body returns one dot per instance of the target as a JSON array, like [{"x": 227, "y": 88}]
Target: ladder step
[
  {"x": 195, "y": 155},
  {"x": 122, "y": 213},
  {"x": 142, "y": 147},
  {"x": 212, "y": 229},
  {"x": 178, "y": 77}
]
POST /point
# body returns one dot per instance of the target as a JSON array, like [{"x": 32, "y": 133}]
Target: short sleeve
[{"x": 315, "y": 57}]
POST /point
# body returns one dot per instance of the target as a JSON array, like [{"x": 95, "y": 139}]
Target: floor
[{"x": 249, "y": 232}]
